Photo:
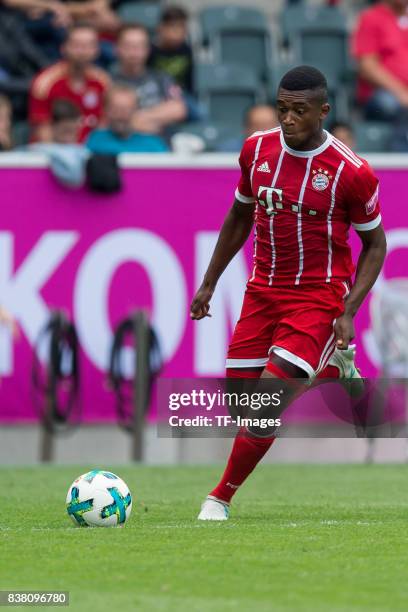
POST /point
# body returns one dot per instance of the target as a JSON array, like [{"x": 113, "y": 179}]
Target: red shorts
[{"x": 295, "y": 323}]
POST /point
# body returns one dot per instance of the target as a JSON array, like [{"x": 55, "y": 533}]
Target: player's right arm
[{"x": 233, "y": 235}]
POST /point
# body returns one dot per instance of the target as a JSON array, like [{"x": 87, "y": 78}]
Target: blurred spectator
[
  {"x": 171, "y": 52},
  {"x": 258, "y": 118},
  {"x": 67, "y": 159},
  {"x": 98, "y": 12},
  {"x": 5, "y": 124},
  {"x": 343, "y": 132},
  {"x": 103, "y": 17},
  {"x": 35, "y": 9},
  {"x": 380, "y": 44},
  {"x": 66, "y": 12},
  {"x": 20, "y": 59},
  {"x": 46, "y": 20},
  {"x": 159, "y": 99},
  {"x": 65, "y": 122},
  {"x": 119, "y": 135},
  {"x": 74, "y": 78},
  {"x": 46, "y": 27}
]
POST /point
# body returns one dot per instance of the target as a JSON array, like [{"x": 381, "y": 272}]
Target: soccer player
[{"x": 304, "y": 188}]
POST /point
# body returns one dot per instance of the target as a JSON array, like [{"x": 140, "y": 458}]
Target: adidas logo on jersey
[{"x": 264, "y": 167}]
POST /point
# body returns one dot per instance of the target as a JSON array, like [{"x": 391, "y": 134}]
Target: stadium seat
[
  {"x": 372, "y": 136},
  {"x": 318, "y": 36},
  {"x": 229, "y": 17},
  {"x": 213, "y": 134},
  {"x": 227, "y": 90},
  {"x": 237, "y": 34},
  {"x": 251, "y": 48},
  {"x": 146, "y": 13},
  {"x": 301, "y": 16},
  {"x": 327, "y": 49}
]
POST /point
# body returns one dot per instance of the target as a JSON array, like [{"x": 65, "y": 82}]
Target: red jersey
[
  {"x": 382, "y": 33},
  {"x": 305, "y": 204},
  {"x": 53, "y": 83}
]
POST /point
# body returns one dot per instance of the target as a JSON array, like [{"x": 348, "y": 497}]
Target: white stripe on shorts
[
  {"x": 294, "y": 359},
  {"x": 260, "y": 362}
]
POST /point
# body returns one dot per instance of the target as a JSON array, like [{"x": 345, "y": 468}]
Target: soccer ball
[{"x": 99, "y": 499}]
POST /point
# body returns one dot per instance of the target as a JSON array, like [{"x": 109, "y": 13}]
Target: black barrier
[
  {"x": 56, "y": 380},
  {"x": 133, "y": 394}
]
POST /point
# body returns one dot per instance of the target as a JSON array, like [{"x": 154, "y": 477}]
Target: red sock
[
  {"x": 247, "y": 450},
  {"x": 246, "y": 453},
  {"x": 329, "y": 372}
]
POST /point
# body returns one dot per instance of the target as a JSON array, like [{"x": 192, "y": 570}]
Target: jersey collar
[{"x": 312, "y": 153}]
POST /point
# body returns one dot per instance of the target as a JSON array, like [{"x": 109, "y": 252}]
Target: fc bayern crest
[{"x": 321, "y": 179}]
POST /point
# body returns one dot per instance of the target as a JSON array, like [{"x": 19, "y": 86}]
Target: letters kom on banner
[{"x": 99, "y": 258}]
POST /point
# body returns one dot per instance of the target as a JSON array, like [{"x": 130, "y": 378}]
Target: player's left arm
[
  {"x": 365, "y": 216},
  {"x": 369, "y": 265}
]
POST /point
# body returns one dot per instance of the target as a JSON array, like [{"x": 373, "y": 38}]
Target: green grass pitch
[{"x": 318, "y": 538}]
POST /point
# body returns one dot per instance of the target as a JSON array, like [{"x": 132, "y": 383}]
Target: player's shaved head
[{"x": 306, "y": 78}]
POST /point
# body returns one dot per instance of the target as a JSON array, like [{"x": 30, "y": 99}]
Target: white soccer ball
[{"x": 99, "y": 499}]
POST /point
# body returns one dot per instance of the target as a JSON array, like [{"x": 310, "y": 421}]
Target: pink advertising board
[{"x": 100, "y": 257}]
